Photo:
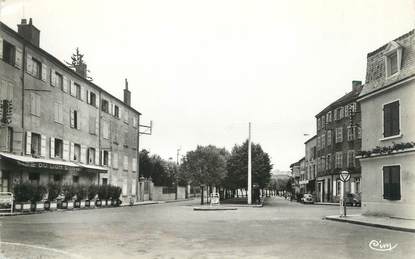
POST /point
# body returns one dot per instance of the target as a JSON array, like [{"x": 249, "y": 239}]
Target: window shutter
[
  {"x": 97, "y": 156},
  {"x": 386, "y": 121},
  {"x": 71, "y": 151},
  {"x": 83, "y": 93},
  {"x": 19, "y": 58},
  {"x": 111, "y": 108},
  {"x": 96, "y": 101},
  {"x": 52, "y": 77},
  {"x": 56, "y": 112},
  {"x": 66, "y": 150},
  {"x": 29, "y": 65},
  {"x": 134, "y": 165},
  {"x": 83, "y": 154},
  {"x": 395, "y": 183},
  {"x": 386, "y": 181},
  {"x": 1, "y": 48},
  {"x": 28, "y": 143},
  {"x": 102, "y": 157},
  {"x": 44, "y": 72},
  {"x": 96, "y": 126},
  {"x": 43, "y": 145},
  {"x": 37, "y": 105},
  {"x": 33, "y": 103},
  {"x": 115, "y": 160},
  {"x": 65, "y": 84},
  {"x": 72, "y": 118},
  {"x": 395, "y": 118},
  {"x": 52, "y": 147},
  {"x": 109, "y": 159},
  {"x": 78, "y": 120}
]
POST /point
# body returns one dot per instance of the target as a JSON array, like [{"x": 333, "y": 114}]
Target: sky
[{"x": 202, "y": 70}]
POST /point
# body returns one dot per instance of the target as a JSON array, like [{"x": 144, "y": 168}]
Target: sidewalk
[
  {"x": 327, "y": 203},
  {"x": 406, "y": 225}
]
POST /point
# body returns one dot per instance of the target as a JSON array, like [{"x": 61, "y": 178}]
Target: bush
[
  {"x": 81, "y": 192},
  {"x": 114, "y": 192},
  {"x": 23, "y": 192},
  {"x": 54, "y": 190},
  {"x": 103, "y": 192},
  {"x": 92, "y": 191},
  {"x": 28, "y": 192},
  {"x": 68, "y": 191}
]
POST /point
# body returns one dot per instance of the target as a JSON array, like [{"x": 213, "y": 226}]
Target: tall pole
[{"x": 249, "y": 168}]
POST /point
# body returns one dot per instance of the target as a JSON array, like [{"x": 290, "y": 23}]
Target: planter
[
  {"x": 63, "y": 205},
  {"x": 77, "y": 204},
  {"x": 87, "y": 203},
  {"x": 53, "y": 205},
  {"x": 82, "y": 205},
  {"x": 70, "y": 205},
  {"x": 98, "y": 203},
  {"x": 39, "y": 206},
  {"x": 103, "y": 203},
  {"x": 18, "y": 206}
]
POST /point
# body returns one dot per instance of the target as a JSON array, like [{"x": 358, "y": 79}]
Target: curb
[
  {"x": 213, "y": 208},
  {"x": 376, "y": 225}
]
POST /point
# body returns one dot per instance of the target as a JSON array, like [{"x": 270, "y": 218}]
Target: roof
[
  {"x": 411, "y": 32},
  {"x": 55, "y": 60},
  {"x": 345, "y": 99},
  {"x": 310, "y": 139}
]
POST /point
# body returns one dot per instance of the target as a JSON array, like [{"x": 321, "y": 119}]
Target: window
[
  {"x": 105, "y": 157},
  {"x": 341, "y": 113},
  {"x": 34, "y": 177},
  {"x": 59, "y": 80},
  {"x": 92, "y": 125},
  {"x": 357, "y": 182},
  {"x": 329, "y": 115},
  {"x": 105, "y": 106},
  {"x": 57, "y": 178},
  {"x": 359, "y": 132},
  {"x": 339, "y": 159},
  {"x": 115, "y": 160},
  {"x": 391, "y": 182},
  {"x": 116, "y": 111},
  {"x": 58, "y": 112},
  {"x": 126, "y": 139},
  {"x": 125, "y": 164},
  {"x": 338, "y": 187},
  {"x": 77, "y": 90},
  {"x": 75, "y": 179},
  {"x": 9, "y": 53},
  {"x": 35, "y": 104},
  {"x": 92, "y": 99},
  {"x": 35, "y": 145},
  {"x": 318, "y": 124},
  {"x": 105, "y": 129},
  {"x": 351, "y": 158},
  {"x": 36, "y": 68},
  {"x": 350, "y": 133},
  {"x": 91, "y": 156},
  {"x": 58, "y": 148},
  {"x": 339, "y": 135},
  {"x": 76, "y": 155},
  {"x": 75, "y": 119},
  {"x": 323, "y": 141},
  {"x": 135, "y": 121},
  {"x": 391, "y": 119},
  {"x": 104, "y": 181},
  {"x": 329, "y": 138},
  {"x": 323, "y": 121}
]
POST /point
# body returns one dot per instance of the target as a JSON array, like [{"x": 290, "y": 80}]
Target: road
[{"x": 281, "y": 229}]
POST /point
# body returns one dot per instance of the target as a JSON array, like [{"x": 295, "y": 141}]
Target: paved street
[{"x": 173, "y": 230}]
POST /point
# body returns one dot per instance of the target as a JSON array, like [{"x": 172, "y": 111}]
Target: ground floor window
[
  {"x": 392, "y": 182},
  {"x": 357, "y": 185},
  {"x": 75, "y": 179},
  {"x": 57, "y": 178},
  {"x": 34, "y": 177},
  {"x": 104, "y": 181}
]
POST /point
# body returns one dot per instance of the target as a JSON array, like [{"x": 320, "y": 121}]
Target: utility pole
[
  {"x": 249, "y": 168},
  {"x": 177, "y": 156}
]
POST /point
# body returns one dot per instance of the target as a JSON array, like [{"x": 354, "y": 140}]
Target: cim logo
[{"x": 382, "y": 247}]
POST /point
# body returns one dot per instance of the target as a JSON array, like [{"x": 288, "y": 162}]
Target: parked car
[
  {"x": 353, "y": 199},
  {"x": 307, "y": 198}
]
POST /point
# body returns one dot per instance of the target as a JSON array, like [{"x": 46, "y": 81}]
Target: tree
[
  {"x": 237, "y": 167},
  {"x": 78, "y": 63},
  {"x": 162, "y": 172},
  {"x": 205, "y": 165}
]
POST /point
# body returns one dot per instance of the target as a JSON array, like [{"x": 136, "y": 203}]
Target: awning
[
  {"x": 41, "y": 163},
  {"x": 94, "y": 169}
]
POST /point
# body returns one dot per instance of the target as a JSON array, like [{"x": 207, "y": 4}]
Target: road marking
[{"x": 42, "y": 248}]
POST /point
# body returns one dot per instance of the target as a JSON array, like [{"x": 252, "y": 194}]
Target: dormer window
[{"x": 393, "y": 58}]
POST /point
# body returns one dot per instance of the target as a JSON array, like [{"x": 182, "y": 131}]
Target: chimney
[
  {"x": 127, "y": 94},
  {"x": 81, "y": 70},
  {"x": 356, "y": 85},
  {"x": 29, "y": 32}
]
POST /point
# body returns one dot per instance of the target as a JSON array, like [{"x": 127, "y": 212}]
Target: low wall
[{"x": 158, "y": 195}]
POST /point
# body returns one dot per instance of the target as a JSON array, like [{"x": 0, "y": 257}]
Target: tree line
[{"x": 211, "y": 166}]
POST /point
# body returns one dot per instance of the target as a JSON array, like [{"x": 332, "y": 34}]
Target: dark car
[{"x": 353, "y": 199}]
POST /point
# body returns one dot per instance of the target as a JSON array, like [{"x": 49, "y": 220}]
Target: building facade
[
  {"x": 297, "y": 169},
  {"x": 337, "y": 142},
  {"x": 58, "y": 126},
  {"x": 307, "y": 182},
  {"x": 388, "y": 130}
]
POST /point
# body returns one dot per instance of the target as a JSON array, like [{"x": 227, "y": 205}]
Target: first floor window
[
  {"x": 392, "y": 182},
  {"x": 9, "y": 53},
  {"x": 391, "y": 119},
  {"x": 58, "y": 148},
  {"x": 91, "y": 156},
  {"x": 35, "y": 144},
  {"x": 76, "y": 153}
]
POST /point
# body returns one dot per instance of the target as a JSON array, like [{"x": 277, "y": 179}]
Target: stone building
[
  {"x": 338, "y": 141},
  {"x": 307, "y": 182},
  {"x": 387, "y": 103},
  {"x": 56, "y": 124}
]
